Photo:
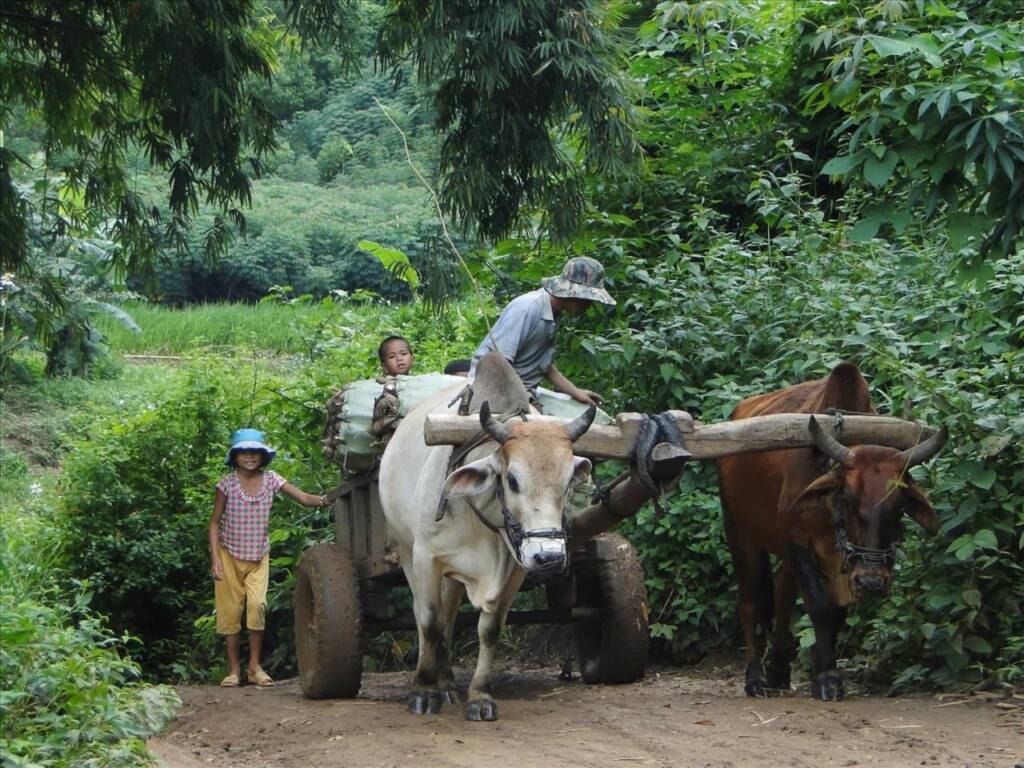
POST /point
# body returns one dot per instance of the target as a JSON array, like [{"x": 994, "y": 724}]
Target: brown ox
[{"x": 834, "y": 531}]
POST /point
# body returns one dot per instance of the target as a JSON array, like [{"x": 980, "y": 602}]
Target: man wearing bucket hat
[
  {"x": 525, "y": 331},
  {"x": 240, "y": 547}
]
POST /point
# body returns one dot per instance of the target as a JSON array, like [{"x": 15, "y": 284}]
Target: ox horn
[
  {"x": 492, "y": 426},
  {"x": 827, "y": 444},
  {"x": 921, "y": 452},
  {"x": 581, "y": 423}
]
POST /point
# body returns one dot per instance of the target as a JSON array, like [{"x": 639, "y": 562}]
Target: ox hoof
[
  {"x": 451, "y": 695},
  {"x": 755, "y": 684},
  {"x": 828, "y": 686},
  {"x": 757, "y": 688},
  {"x": 425, "y": 702},
  {"x": 482, "y": 709}
]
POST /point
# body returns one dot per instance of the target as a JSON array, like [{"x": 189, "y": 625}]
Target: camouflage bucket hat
[{"x": 581, "y": 278}]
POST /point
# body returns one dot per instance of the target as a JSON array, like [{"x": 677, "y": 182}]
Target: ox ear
[
  {"x": 916, "y": 504},
  {"x": 811, "y": 494},
  {"x": 580, "y": 470},
  {"x": 473, "y": 479}
]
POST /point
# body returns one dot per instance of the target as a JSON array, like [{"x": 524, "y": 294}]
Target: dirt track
[{"x": 674, "y": 717}]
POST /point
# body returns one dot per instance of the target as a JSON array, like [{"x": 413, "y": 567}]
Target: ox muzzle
[
  {"x": 869, "y": 569},
  {"x": 542, "y": 552}
]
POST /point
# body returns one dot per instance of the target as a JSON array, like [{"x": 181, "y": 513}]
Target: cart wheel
[
  {"x": 328, "y": 620},
  {"x": 613, "y": 648}
]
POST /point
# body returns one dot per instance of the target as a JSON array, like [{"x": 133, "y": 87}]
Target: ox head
[
  {"x": 531, "y": 475},
  {"x": 868, "y": 493}
]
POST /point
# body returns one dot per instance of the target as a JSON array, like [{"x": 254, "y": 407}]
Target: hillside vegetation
[{"x": 819, "y": 182}]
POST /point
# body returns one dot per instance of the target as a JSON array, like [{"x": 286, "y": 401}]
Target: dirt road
[{"x": 674, "y": 717}]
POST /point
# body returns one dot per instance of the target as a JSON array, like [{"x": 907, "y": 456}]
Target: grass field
[
  {"x": 298, "y": 328},
  {"x": 242, "y": 327}
]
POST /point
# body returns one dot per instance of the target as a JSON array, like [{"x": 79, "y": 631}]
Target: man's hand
[
  {"x": 562, "y": 384},
  {"x": 215, "y": 568},
  {"x": 586, "y": 396}
]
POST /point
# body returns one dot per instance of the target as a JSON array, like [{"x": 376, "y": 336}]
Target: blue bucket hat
[{"x": 249, "y": 440}]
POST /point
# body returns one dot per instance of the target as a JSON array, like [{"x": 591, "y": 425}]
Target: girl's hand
[
  {"x": 215, "y": 568},
  {"x": 323, "y": 502}
]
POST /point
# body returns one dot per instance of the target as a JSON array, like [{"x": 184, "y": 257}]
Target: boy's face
[{"x": 397, "y": 358}]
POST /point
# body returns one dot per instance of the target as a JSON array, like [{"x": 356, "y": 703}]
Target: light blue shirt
[{"x": 525, "y": 336}]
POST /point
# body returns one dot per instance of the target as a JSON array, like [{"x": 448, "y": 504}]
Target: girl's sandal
[
  {"x": 231, "y": 681},
  {"x": 261, "y": 679}
]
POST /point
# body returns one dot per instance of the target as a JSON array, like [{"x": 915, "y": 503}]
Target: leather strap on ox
[
  {"x": 851, "y": 553},
  {"x": 514, "y": 533},
  {"x": 463, "y": 450}
]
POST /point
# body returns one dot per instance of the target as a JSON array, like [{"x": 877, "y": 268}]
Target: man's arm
[{"x": 562, "y": 384}]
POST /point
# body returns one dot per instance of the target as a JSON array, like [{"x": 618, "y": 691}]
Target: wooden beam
[
  {"x": 789, "y": 430},
  {"x": 613, "y": 441},
  {"x": 708, "y": 441}
]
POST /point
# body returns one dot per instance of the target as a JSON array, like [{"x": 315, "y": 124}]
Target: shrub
[
  {"x": 137, "y": 501},
  {"x": 70, "y": 696}
]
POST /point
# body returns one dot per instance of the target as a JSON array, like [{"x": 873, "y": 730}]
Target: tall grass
[{"x": 211, "y": 327}]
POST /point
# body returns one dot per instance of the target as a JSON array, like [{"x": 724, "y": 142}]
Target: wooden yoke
[{"x": 708, "y": 441}]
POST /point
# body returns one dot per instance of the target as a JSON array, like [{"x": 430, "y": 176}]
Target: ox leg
[
  {"x": 753, "y": 604},
  {"x": 828, "y": 620},
  {"x": 481, "y": 705},
  {"x": 452, "y": 593},
  {"x": 783, "y": 644},
  {"x": 425, "y": 581},
  {"x": 827, "y": 684}
]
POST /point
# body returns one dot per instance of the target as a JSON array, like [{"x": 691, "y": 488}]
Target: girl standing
[{"x": 240, "y": 547}]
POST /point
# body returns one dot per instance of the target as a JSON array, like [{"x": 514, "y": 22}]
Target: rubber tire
[
  {"x": 328, "y": 619},
  {"x": 613, "y": 650}
]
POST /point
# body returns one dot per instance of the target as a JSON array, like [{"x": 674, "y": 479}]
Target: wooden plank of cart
[{"x": 343, "y": 588}]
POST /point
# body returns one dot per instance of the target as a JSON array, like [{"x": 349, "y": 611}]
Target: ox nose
[
  {"x": 548, "y": 560},
  {"x": 543, "y": 555},
  {"x": 871, "y": 584}
]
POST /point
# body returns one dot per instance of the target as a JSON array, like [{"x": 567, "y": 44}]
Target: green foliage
[
  {"x": 212, "y": 329},
  {"x": 52, "y": 302},
  {"x": 525, "y": 93},
  {"x": 712, "y": 73},
  {"x": 306, "y": 237},
  {"x": 71, "y": 696},
  {"x": 332, "y": 158},
  {"x": 135, "y": 512},
  {"x": 394, "y": 261},
  {"x": 927, "y": 104},
  {"x": 108, "y": 82}
]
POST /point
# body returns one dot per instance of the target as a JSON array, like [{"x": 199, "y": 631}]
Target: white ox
[{"x": 479, "y": 546}]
